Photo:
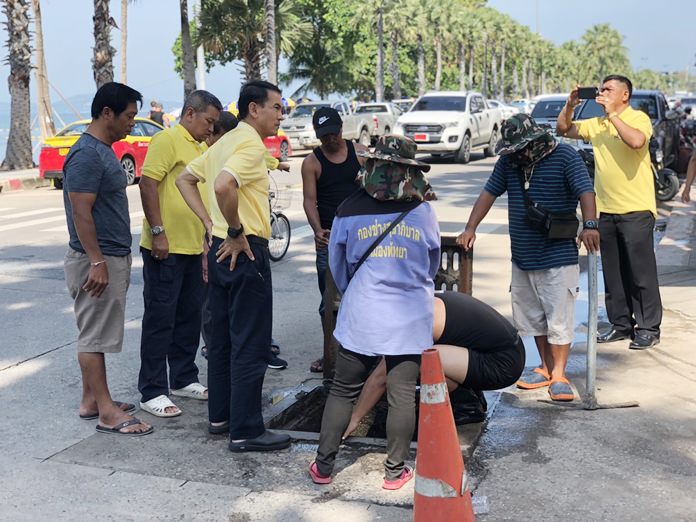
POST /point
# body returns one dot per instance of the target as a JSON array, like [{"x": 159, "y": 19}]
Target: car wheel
[
  {"x": 463, "y": 155},
  {"x": 492, "y": 144},
  {"x": 128, "y": 166},
  {"x": 57, "y": 184},
  {"x": 364, "y": 138},
  {"x": 284, "y": 149}
]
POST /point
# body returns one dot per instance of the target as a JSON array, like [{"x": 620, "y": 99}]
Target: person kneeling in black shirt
[{"x": 479, "y": 350}]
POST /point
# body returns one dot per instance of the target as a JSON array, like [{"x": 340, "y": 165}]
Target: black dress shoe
[
  {"x": 467, "y": 416},
  {"x": 644, "y": 341},
  {"x": 612, "y": 335},
  {"x": 267, "y": 441}
]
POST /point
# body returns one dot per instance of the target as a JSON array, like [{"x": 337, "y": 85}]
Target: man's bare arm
[
  {"x": 310, "y": 174},
  {"x": 151, "y": 207},
  {"x": 588, "y": 207},
  {"x": 359, "y": 147},
  {"x": 482, "y": 206},
  {"x": 564, "y": 123},
  {"x": 98, "y": 277},
  {"x": 228, "y": 200},
  {"x": 187, "y": 184}
]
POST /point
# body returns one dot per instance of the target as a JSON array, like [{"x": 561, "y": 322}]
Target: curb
[{"x": 25, "y": 183}]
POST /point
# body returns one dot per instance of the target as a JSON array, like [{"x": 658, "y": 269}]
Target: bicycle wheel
[{"x": 280, "y": 236}]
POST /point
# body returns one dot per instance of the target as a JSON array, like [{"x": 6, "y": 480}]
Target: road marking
[
  {"x": 30, "y": 223},
  {"x": 34, "y": 212},
  {"x": 133, "y": 215},
  {"x": 302, "y": 232},
  {"x": 6, "y": 209}
]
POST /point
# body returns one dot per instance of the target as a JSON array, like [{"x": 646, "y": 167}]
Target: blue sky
[{"x": 657, "y": 34}]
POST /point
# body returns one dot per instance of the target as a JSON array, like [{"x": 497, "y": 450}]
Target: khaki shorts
[
  {"x": 543, "y": 302},
  {"x": 100, "y": 320}
]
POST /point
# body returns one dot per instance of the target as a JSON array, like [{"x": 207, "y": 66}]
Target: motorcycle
[{"x": 666, "y": 180}]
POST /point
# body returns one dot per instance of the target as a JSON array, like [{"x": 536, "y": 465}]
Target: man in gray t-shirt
[{"x": 98, "y": 261}]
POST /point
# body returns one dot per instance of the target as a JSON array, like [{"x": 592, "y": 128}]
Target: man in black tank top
[{"x": 328, "y": 177}]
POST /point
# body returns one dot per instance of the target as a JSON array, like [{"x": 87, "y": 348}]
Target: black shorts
[{"x": 495, "y": 370}]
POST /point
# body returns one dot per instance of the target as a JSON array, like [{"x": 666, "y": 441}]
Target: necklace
[{"x": 528, "y": 178}]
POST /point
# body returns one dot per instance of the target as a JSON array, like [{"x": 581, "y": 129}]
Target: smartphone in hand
[{"x": 587, "y": 93}]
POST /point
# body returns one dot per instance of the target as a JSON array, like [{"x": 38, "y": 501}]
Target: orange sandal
[
  {"x": 560, "y": 390},
  {"x": 536, "y": 378}
]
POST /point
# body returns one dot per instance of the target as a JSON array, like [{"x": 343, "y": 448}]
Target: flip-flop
[
  {"x": 560, "y": 390},
  {"x": 195, "y": 390},
  {"x": 533, "y": 379},
  {"x": 317, "y": 478},
  {"x": 116, "y": 430},
  {"x": 95, "y": 415},
  {"x": 317, "y": 366}
]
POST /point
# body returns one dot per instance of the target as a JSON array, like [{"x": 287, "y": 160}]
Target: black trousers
[
  {"x": 352, "y": 370},
  {"x": 241, "y": 306},
  {"x": 173, "y": 296},
  {"x": 632, "y": 293}
]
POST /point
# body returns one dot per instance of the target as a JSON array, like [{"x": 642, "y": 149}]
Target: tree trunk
[
  {"x": 18, "y": 153},
  {"x": 462, "y": 66},
  {"x": 379, "y": 80},
  {"x": 438, "y": 63},
  {"x": 515, "y": 83},
  {"x": 395, "y": 70},
  {"x": 271, "y": 64},
  {"x": 525, "y": 83},
  {"x": 102, "y": 63},
  {"x": 484, "y": 77},
  {"x": 124, "y": 41},
  {"x": 502, "y": 74},
  {"x": 420, "y": 51},
  {"x": 42, "y": 93},
  {"x": 189, "y": 63},
  {"x": 471, "y": 66},
  {"x": 494, "y": 72}
]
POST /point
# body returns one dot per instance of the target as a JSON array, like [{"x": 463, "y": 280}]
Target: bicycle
[{"x": 279, "y": 241}]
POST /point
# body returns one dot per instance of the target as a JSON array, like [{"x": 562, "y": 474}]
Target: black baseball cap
[{"x": 326, "y": 121}]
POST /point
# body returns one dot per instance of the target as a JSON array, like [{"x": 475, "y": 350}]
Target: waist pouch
[{"x": 553, "y": 226}]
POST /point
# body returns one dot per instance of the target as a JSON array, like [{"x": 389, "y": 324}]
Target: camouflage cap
[
  {"x": 398, "y": 149},
  {"x": 387, "y": 180},
  {"x": 517, "y": 131}
]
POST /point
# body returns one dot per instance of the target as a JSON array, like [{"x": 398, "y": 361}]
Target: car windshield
[
  {"x": 548, "y": 108},
  {"x": 306, "y": 110},
  {"x": 440, "y": 103},
  {"x": 370, "y": 109},
  {"x": 73, "y": 130},
  {"x": 644, "y": 102}
]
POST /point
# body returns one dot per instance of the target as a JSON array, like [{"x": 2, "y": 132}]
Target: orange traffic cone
[{"x": 441, "y": 491}]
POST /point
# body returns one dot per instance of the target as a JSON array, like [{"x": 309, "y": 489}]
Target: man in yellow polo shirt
[
  {"x": 239, "y": 272},
  {"x": 625, "y": 191},
  {"x": 171, "y": 245}
]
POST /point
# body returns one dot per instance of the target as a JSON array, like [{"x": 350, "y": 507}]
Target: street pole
[
  {"x": 590, "y": 399},
  {"x": 200, "y": 52}
]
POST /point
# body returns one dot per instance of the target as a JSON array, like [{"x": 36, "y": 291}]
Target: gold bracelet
[{"x": 98, "y": 263}]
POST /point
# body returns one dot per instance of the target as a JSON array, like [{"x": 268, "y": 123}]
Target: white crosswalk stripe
[
  {"x": 134, "y": 216},
  {"x": 31, "y": 223},
  {"x": 33, "y": 213}
]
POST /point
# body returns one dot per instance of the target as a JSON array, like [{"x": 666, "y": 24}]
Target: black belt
[{"x": 252, "y": 239}]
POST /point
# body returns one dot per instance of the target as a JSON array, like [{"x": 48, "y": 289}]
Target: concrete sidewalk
[
  {"x": 538, "y": 460},
  {"x": 534, "y": 460},
  {"x": 21, "y": 180}
]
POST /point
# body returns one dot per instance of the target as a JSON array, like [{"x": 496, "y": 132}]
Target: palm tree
[
  {"x": 102, "y": 63},
  {"x": 603, "y": 53},
  {"x": 235, "y": 30},
  {"x": 124, "y": 41},
  {"x": 18, "y": 153},
  {"x": 379, "y": 70},
  {"x": 42, "y": 93},
  {"x": 271, "y": 55},
  {"x": 189, "y": 64}
]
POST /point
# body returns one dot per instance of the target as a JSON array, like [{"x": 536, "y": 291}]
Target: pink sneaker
[
  {"x": 406, "y": 475},
  {"x": 317, "y": 478}
]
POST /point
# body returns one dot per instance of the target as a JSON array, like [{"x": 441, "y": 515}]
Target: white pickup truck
[
  {"x": 455, "y": 122},
  {"x": 298, "y": 125}
]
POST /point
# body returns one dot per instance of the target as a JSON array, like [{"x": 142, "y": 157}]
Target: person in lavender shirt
[{"x": 387, "y": 304}]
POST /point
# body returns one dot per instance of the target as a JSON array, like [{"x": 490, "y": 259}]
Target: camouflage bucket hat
[
  {"x": 397, "y": 149},
  {"x": 386, "y": 180},
  {"x": 517, "y": 131}
]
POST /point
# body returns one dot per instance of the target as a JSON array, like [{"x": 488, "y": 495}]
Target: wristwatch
[
  {"x": 235, "y": 232},
  {"x": 590, "y": 224},
  {"x": 156, "y": 231}
]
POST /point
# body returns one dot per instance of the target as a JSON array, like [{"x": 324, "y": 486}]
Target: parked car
[
  {"x": 505, "y": 109},
  {"x": 298, "y": 125},
  {"x": 547, "y": 108},
  {"x": 666, "y": 123},
  {"x": 383, "y": 115},
  {"x": 279, "y": 146},
  {"x": 452, "y": 122},
  {"x": 404, "y": 104},
  {"x": 523, "y": 105},
  {"x": 130, "y": 151}
]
